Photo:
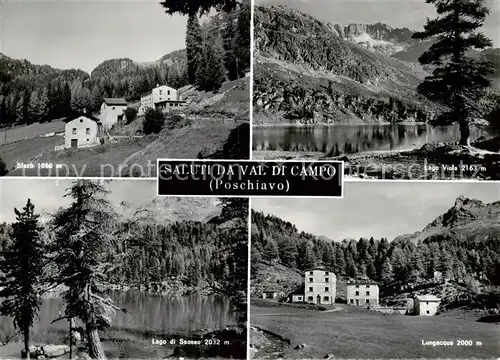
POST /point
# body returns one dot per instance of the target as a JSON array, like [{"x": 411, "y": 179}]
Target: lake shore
[
  {"x": 350, "y": 332},
  {"x": 430, "y": 162},
  {"x": 299, "y": 124}
]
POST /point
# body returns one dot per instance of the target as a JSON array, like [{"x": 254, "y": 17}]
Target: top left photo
[{"x": 104, "y": 89}]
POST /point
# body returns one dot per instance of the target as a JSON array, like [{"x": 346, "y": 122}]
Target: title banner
[{"x": 250, "y": 178}]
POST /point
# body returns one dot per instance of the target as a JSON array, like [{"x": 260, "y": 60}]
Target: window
[
  {"x": 427, "y": 303},
  {"x": 74, "y": 131},
  {"x": 311, "y": 289},
  {"x": 87, "y": 139},
  {"x": 367, "y": 293},
  {"x": 367, "y": 286},
  {"x": 113, "y": 107},
  {"x": 87, "y": 131},
  {"x": 327, "y": 280},
  {"x": 352, "y": 301},
  {"x": 168, "y": 92},
  {"x": 357, "y": 286},
  {"x": 310, "y": 272},
  {"x": 427, "y": 311},
  {"x": 326, "y": 298},
  {"x": 81, "y": 120},
  {"x": 326, "y": 273},
  {"x": 357, "y": 293},
  {"x": 367, "y": 301},
  {"x": 327, "y": 289},
  {"x": 309, "y": 298},
  {"x": 160, "y": 92},
  {"x": 310, "y": 279}
]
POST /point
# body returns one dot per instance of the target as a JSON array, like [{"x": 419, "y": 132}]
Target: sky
[
  {"x": 47, "y": 194},
  {"x": 82, "y": 34},
  {"x": 396, "y": 13},
  {"x": 378, "y": 209}
]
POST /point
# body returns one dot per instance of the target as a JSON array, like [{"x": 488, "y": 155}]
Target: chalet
[
  {"x": 362, "y": 292},
  {"x": 426, "y": 305},
  {"x": 111, "y": 110},
  {"x": 82, "y": 130},
  {"x": 161, "y": 97},
  {"x": 320, "y": 286},
  {"x": 270, "y": 294}
]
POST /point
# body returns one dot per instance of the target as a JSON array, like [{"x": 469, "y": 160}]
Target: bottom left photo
[{"x": 96, "y": 269}]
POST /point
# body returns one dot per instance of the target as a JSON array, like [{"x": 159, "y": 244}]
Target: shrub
[
  {"x": 3, "y": 168},
  {"x": 153, "y": 121},
  {"x": 130, "y": 114}
]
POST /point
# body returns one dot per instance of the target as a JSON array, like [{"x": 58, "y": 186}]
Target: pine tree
[
  {"x": 211, "y": 73},
  {"x": 243, "y": 40},
  {"x": 458, "y": 82},
  {"x": 20, "y": 111},
  {"x": 83, "y": 239},
  {"x": 190, "y": 7},
  {"x": 22, "y": 266},
  {"x": 194, "y": 47},
  {"x": 386, "y": 274}
]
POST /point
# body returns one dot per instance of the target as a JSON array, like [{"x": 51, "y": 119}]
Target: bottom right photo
[{"x": 394, "y": 270}]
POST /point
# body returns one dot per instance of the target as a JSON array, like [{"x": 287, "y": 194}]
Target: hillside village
[{"x": 84, "y": 130}]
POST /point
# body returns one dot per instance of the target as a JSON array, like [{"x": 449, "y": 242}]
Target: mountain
[
  {"x": 308, "y": 71},
  {"x": 468, "y": 220},
  {"x": 312, "y": 72},
  {"x": 166, "y": 210},
  {"x": 376, "y": 37}
]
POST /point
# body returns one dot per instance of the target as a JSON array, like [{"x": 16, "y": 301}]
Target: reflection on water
[
  {"x": 147, "y": 316},
  {"x": 345, "y": 139}
]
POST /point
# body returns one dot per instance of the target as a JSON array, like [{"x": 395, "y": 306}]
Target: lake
[
  {"x": 130, "y": 336},
  {"x": 334, "y": 140}
]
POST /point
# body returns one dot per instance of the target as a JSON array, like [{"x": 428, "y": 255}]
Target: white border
[
  {"x": 252, "y": 4},
  {"x": 341, "y": 177},
  {"x": 249, "y": 274}
]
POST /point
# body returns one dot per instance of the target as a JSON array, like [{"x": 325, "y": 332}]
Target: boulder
[
  {"x": 55, "y": 350},
  {"x": 300, "y": 347}
]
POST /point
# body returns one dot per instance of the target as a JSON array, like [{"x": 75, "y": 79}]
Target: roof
[
  {"x": 427, "y": 298},
  {"x": 298, "y": 291},
  {"x": 170, "y": 101},
  {"x": 78, "y": 114},
  {"x": 115, "y": 101},
  {"x": 361, "y": 282},
  {"x": 321, "y": 268}
]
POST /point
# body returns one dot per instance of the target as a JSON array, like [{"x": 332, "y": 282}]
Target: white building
[
  {"x": 362, "y": 293},
  {"x": 111, "y": 109},
  {"x": 426, "y": 305},
  {"x": 320, "y": 286},
  {"x": 81, "y": 131},
  {"x": 163, "y": 97}
]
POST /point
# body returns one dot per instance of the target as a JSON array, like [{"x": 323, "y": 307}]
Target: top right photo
[{"x": 396, "y": 89}]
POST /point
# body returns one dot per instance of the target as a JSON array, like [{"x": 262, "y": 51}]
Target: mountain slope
[
  {"x": 304, "y": 69},
  {"x": 468, "y": 220}
]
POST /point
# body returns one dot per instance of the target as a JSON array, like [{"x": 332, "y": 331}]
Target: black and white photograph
[
  {"x": 107, "y": 270},
  {"x": 394, "y": 270},
  {"x": 105, "y": 88},
  {"x": 397, "y": 89}
]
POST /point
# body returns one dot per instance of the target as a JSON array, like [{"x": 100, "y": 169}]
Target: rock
[
  {"x": 40, "y": 357},
  {"x": 300, "y": 347},
  {"x": 329, "y": 356},
  {"x": 55, "y": 350}
]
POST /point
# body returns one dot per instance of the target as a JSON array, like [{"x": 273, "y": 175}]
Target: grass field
[
  {"x": 364, "y": 334},
  {"x": 19, "y": 133}
]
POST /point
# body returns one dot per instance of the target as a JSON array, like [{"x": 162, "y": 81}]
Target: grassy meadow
[{"x": 363, "y": 334}]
